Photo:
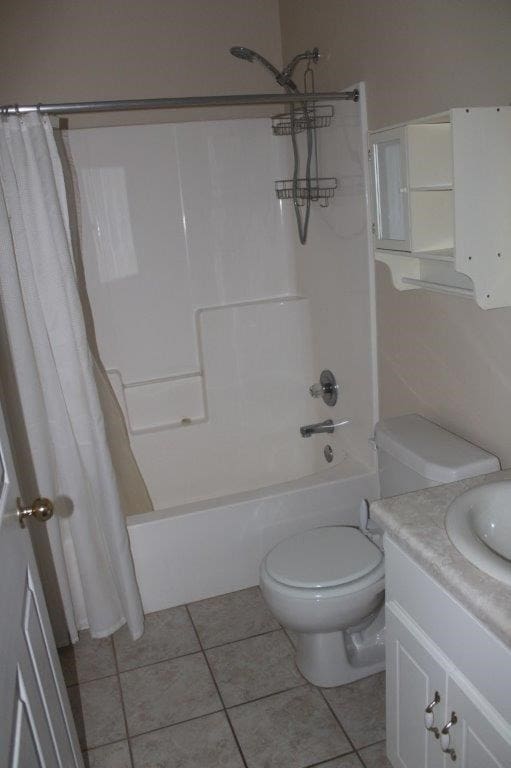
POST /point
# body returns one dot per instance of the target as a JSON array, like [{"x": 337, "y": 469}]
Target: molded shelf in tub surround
[
  {"x": 441, "y": 199},
  {"x": 416, "y": 522},
  {"x": 164, "y": 403}
]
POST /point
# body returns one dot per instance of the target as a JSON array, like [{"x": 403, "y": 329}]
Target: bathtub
[{"x": 208, "y": 548}]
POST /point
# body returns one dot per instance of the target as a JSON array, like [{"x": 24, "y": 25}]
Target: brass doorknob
[{"x": 41, "y": 509}]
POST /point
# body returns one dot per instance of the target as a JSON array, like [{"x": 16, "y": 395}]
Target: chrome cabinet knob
[
  {"x": 429, "y": 716},
  {"x": 41, "y": 508}
]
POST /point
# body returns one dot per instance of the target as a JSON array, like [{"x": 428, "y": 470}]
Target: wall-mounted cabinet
[{"x": 442, "y": 203}]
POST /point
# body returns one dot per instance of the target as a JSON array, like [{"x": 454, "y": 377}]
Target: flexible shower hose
[{"x": 302, "y": 221}]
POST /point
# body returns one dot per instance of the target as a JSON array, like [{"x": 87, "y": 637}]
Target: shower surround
[{"x": 213, "y": 321}]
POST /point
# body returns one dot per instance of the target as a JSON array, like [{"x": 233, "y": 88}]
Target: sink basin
[{"x": 479, "y": 525}]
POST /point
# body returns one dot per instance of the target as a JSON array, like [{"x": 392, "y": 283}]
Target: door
[
  {"x": 390, "y": 190},
  {"x": 36, "y": 725},
  {"x": 416, "y": 681},
  {"x": 479, "y": 737}
]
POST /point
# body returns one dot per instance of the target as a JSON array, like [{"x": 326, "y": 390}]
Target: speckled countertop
[{"x": 415, "y": 521}]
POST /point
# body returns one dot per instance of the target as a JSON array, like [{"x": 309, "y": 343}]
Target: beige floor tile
[
  {"x": 87, "y": 660},
  {"x": 110, "y": 756},
  {"x": 288, "y": 730},
  {"x": 97, "y": 711},
  {"x": 231, "y": 617},
  {"x": 167, "y": 693},
  {"x": 167, "y": 634},
  {"x": 258, "y": 666},
  {"x": 204, "y": 743},
  {"x": 360, "y": 707},
  {"x": 375, "y": 756}
]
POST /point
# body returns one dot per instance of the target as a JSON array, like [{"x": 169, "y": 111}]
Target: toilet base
[{"x": 323, "y": 661}]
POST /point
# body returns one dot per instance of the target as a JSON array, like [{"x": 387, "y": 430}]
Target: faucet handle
[
  {"x": 316, "y": 390},
  {"x": 327, "y": 388}
]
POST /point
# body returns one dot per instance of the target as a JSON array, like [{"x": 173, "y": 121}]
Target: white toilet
[{"x": 327, "y": 584}]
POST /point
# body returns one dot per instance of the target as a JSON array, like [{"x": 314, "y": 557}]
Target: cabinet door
[
  {"x": 390, "y": 190},
  {"x": 480, "y": 737},
  {"x": 414, "y": 675}
]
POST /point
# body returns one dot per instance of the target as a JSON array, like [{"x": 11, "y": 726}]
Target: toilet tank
[{"x": 415, "y": 453}]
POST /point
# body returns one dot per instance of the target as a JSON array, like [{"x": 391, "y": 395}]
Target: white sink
[{"x": 479, "y": 525}]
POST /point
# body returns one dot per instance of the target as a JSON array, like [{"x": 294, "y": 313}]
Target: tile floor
[{"x": 214, "y": 684}]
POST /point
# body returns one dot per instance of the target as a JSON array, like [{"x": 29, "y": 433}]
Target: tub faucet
[{"x": 322, "y": 426}]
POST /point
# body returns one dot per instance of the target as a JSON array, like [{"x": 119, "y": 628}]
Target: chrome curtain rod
[{"x": 126, "y": 105}]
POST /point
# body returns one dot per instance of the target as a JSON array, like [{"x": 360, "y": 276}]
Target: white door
[
  {"x": 416, "y": 681},
  {"x": 479, "y": 737},
  {"x": 390, "y": 190},
  {"x": 36, "y": 725}
]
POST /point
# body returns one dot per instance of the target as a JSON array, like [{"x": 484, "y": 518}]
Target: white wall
[
  {"x": 439, "y": 355},
  {"x": 210, "y": 337},
  {"x": 336, "y": 273},
  {"x": 59, "y": 51},
  {"x": 186, "y": 253}
]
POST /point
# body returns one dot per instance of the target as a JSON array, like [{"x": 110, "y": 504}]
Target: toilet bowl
[
  {"x": 327, "y": 585},
  {"x": 319, "y": 584}
]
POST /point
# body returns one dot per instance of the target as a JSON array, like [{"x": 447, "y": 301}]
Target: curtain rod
[{"x": 82, "y": 107}]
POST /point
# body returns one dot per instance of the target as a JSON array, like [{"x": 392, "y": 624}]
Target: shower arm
[{"x": 309, "y": 55}]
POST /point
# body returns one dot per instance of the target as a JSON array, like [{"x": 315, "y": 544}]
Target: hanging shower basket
[
  {"x": 320, "y": 189},
  {"x": 320, "y": 116}
]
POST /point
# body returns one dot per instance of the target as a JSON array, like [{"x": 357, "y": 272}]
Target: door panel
[
  {"x": 414, "y": 675},
  {"x": 480, "y": 737},
  {"x": 36, "y": 727}
]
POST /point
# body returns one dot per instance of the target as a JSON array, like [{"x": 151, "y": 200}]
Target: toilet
[{"x": 326, "y": 585}]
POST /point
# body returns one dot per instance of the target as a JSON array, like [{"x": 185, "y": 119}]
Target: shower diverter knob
[{"x": 327, "y": 388}]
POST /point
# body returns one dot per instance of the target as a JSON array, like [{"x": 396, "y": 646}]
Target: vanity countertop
[{"x": 416, "y": 522}]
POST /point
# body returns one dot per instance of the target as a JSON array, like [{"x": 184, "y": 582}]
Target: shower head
[
  {"x": 282, "y": 78},
  {"x": 242, "y": 53}
]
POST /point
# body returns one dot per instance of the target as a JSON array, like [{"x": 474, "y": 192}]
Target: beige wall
[
  {"x": 439, "y": 355},
  {"x": 80, "y": 50}
]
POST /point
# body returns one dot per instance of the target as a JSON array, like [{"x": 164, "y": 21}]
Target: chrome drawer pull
[
  {"x": 429, "y": 716},
  {"x": 445, "y": 737}
]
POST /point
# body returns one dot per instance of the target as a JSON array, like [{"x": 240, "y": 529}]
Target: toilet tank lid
[{"x": 431, "y": 451}]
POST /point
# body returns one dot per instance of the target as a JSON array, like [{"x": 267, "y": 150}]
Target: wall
[
  {"x": 439, "y": 355},
  {"x": 191, "y": 278},
  {"x": 58, "y": 51},
  {"x": 335, "y": 272}
]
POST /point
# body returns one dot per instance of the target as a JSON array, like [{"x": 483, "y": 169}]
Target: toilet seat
[{"x": 330, "y": 556}]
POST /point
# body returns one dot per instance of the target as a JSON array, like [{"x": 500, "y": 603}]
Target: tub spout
[{"x": 323, "y": 426}]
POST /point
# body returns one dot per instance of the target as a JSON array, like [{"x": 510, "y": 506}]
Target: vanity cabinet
[
  {"x": 427, "y": 687},
  {"x": 441, "y": 203}
]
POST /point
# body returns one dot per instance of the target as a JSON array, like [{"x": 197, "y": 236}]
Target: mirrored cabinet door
[{"x": 390, "y": 191}]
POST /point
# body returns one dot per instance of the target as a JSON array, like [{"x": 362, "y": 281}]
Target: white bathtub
[{"x": 207, "y": 548}]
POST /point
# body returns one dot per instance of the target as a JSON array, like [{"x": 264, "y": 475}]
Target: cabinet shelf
[
  {"x": 441, "y": 195},
  {"x": 436, "y": 188},
  {"x": 438, "y": 287}
]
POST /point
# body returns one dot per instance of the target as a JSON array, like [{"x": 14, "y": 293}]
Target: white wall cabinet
[
  {"x": 442, "y": 203},
  {"x": 421, "y": 675}
]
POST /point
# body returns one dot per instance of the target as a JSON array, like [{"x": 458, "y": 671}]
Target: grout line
[
  {"x": 354, "y": 749},
  {"x": 335, "y": 757},
  {"x": 160, "y": 661},
  {"x": 122, "y": 704},
  {"x": 372, "y": 744},
  {"x": 100, "y": 746},
  {"x": 269, "y": 695},
  {"x": 239, "y": 640},
  {"x": 234, "y": 735},
  {"x": 171, "y": 725}
]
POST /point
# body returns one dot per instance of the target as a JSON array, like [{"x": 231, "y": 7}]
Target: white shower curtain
[{"x": 53, "y": 368}]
